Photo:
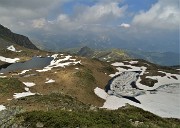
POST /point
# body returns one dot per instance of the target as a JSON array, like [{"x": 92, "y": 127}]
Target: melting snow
[
  {"x": 29, "y": 84},
  {"x": 27, "y": 89},
  {"x": 8, "y": 60},
  {"x": 166, "y": 79},
  {"x": 2, "y": 107},
  {"x": 132, "y": 68},
  {"x": 121, "y": 85},
  {"x": 100, "y": 93},
  {"x": 27, "y": 93},
  {"x": 13, "y": 49},
  {"x": 133, "y": 62},
  {"x": 59, "y": 63},
  {"x": 3, "y": 76},
  {"x": 161, "y": 80},
  {"x": 163, "y": 101},
  {"x": 24, "y": 71},
  {"x": 23, "y": 94},
  {"x": 50, "y": 81}
]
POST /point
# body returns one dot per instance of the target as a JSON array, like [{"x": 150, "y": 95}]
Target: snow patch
[
  {"x": 121, "y": 85},
  {"x": 27, "y": 89},
  {"x": 29, "y": 84},
  {"x": 22, "y": 72},
  {"x": 162, "y": 103},
  {"x": 3, "y": 76},
  {"x": 8, "y": 60},
  {"x": 133, "y": 62},
  {"x": 13, "y": 49},
  {"x": 100, "y": 93},
  {"x": 161, "y": 99},
  {"x": 132, "y": 68},
  {"x": 2, "y": 107},
  {"x": 59, "y": 63},
  {"x": 167, "y": 79},
  {"x": 23, "y": 94},
  {"x": 27, "y": 93},
  {"x": 50, "y": 81}
]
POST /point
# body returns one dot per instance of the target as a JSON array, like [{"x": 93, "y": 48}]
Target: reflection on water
[{"x": 35, "y": 62}]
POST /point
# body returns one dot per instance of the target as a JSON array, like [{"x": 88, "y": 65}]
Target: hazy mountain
[
  {"x": 165, "y": 59},
  {"x": 161, "y": 58},
  {"x": 103, "y": 40}
]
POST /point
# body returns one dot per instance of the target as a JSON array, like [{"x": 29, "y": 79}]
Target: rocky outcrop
[{"x": 21, "y": 40}]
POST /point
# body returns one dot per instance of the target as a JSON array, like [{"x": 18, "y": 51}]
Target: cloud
[
  {"x": 102, "y": 12},
  {"x": 78, "y": 20},
  {"x": 86, "y": 16},
  {"x": 162, "y": 15},
  {"x": 124, "y": 25},
  {"x": 22, "y": 15},
  {"x": 38, "y": 23}
]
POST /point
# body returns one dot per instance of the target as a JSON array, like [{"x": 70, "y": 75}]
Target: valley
[{"x": 89, "y": 89}]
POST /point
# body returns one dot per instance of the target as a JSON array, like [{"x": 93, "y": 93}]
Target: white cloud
[
  {"x": 63, "y": 18},
  {"x": 102, "y": 11},
  {"x": 124, "y": 25},
  {"x": 85, "y": 16},
  {"x": 23, "y": 16},
  {"x": 38, "y": 23},
  {"x": 164, "y": 15},
  {"x": 18, "y": 15}
]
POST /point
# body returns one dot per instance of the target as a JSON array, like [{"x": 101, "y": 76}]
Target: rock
[{"x": 39, "y": 125}]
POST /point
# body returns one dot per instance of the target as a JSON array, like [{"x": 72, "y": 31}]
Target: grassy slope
[
  {"x": 49, "y": 102},
  {"x": 127, "y": 117},
  {"x": 80, "y": 85},
  {"x": 9, "y": 86}
]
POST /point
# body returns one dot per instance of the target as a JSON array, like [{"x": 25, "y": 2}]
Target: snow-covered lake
[
  {"x": 35, "y": 62},
  {"x": 162, "y": 99}
]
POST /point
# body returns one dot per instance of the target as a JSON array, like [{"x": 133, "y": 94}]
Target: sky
[{"x": 147, "y": 21}]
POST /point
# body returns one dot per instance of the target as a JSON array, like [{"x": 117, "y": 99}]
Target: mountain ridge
[
  {"x": 7, "y": 35},
  {"x": 66, "y": 92},
  {"x": 160, "y": 58}
]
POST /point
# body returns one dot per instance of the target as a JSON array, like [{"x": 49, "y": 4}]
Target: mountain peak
[{"x": 85, "y": 51}]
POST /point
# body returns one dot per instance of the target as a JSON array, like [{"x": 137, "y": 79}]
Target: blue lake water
[{"x": 35, "y": 62}]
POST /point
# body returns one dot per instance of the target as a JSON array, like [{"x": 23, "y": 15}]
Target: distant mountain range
[
  {"x": 103, "y": 40},
  {"x": 165, "y": 59}
]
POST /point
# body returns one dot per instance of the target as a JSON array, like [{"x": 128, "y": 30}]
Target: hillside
[
  {"x": 71, "y": 83},
  {"x": 6, "y": 36},
  {"x": 46, "y": 89},
  {"x": 103, "y": 55}
]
